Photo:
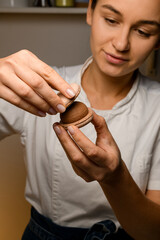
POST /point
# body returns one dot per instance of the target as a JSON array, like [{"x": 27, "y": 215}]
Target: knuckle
[
  {"x": 92, "y": 152},
  {"x": 23, "y": 55},
  {"x": 36, "y": 83},
  {"x": 16, "y": 101},
  {"x": 76, "y": 158},
  {"x": 48, "y": 72},
  {"x": 102, "y": 120},
  {"x": 25, "y": 92},
  {"x": 99, "y": 177},
  {"x": 9, "y": 62},
  {"x": 24, "y": 52}
]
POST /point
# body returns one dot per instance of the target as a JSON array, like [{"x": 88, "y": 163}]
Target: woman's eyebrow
[
  {"x": 111, "y": 8},
  {"x": 149, "y": 22}
]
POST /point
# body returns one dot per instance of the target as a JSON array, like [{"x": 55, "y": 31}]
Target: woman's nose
[{"x": 121, "y": 41}]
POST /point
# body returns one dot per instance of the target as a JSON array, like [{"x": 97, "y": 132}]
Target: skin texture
[{"x": 120, "y": 41}]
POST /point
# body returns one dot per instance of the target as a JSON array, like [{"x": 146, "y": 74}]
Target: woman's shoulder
[
  {"x": 149, "y": 86},
  {"x": 149, "y": 83},
  {"x": 148, "y": 95}
]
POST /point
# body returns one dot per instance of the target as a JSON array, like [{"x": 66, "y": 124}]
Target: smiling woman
[
  {"x": 131, "y": 36},
  {"x": 116, "y": 156}
]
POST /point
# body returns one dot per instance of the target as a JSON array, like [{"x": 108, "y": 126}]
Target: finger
[
  {"x": 55, "y": 80},
  {"x": 47, "y": 73},
  {"x": 8, "y": 95},
  {"x": 100, "y": 126},
  {"x": 26, "y": 93},
  {"x": 97, "y": 155},
  {"x": 82, "y": 165},
  {"x": 104, "y": 137},
  {"x": 72, "y": 150},
  {"x": 106, "y": 141},
  {"x": 41, "y": 87}
]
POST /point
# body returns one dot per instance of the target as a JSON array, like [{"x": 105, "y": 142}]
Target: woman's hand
[
  {"x": 91, "y": 161},
  {"x": 139, "y": 216},
  {"x": 28, "y": 83}
]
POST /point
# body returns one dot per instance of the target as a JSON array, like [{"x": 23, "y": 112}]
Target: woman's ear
[{"x": 89, "y": 13}]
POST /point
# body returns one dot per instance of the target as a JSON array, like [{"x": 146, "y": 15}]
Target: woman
[
  {"x": 120, "y": 42},
  {"x": 123, "y": 34}
]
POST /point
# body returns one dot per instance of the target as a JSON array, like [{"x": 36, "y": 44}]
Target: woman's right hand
[{"x": 28, "y": 83}]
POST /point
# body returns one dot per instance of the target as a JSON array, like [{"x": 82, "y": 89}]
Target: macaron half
[{"x": 77, "y": 113}]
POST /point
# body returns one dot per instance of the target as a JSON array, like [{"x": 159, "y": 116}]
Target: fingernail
[
  {"x": 41, "y": 114},
  {"x": 57, "y": 129},
  {"x": 52, "y": 111},
  {"x": 61, "y": 108},
  {"x": 71, "y": 130},
  {"x": 70, "y": 92}
]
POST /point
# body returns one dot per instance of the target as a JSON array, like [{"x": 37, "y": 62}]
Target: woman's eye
[
  {"x": 110, "y": 21},
  {"x": 143, "y": 34}
]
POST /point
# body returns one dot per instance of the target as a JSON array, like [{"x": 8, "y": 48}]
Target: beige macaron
[{"x": 77, "y": 113}]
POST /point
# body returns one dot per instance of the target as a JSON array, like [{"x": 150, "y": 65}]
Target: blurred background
[{"x": 58, "y": 36}]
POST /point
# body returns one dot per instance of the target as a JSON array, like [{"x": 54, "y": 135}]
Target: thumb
[{"x": 104, "y": 137}]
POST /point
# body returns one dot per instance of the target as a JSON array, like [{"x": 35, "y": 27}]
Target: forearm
[{"x": 139, "y": 216}]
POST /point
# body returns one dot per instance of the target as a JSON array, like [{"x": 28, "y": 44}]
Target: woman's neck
[{"x": 105, "y": 91}]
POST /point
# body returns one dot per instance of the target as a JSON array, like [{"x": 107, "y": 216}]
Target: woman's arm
[{"x": 138, "y": 215}]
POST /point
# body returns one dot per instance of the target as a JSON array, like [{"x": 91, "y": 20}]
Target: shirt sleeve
[
  {"x": 154, "y": 178},
  {"x": 11, "y": 119}
]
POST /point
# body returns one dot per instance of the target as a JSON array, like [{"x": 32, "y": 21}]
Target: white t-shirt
[{"x": 52, "y": 187}]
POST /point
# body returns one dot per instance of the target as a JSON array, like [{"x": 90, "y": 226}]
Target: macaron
[{"x": 77, "y": 113}]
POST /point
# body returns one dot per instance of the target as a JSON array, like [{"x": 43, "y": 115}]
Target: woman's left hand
[{"x": 91, "y": 161}]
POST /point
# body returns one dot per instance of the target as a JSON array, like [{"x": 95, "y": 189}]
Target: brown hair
[{"x": 93, "y": 4}]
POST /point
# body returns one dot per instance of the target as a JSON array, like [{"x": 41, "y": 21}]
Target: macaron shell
[
  {"x": 67, "y": 102},
  {"x": 82, "y": 122}
]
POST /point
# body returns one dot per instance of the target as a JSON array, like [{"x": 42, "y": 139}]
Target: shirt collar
[{"x": 122, "y": 102}]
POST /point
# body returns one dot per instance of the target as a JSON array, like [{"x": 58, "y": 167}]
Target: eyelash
[
  {"x": 111, "y": 21},
  {"x": 143, "y": 34}
]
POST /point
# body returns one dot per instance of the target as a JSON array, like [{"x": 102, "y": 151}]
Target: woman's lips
[{"x": 117, "y": 60}]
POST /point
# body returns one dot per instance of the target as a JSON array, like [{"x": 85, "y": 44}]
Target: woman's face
[{"x": 123, "y": 33}]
